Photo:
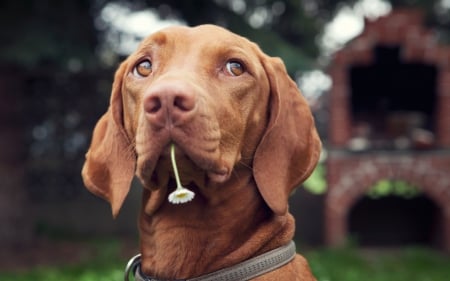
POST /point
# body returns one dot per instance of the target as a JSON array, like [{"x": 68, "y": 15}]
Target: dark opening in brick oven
[
  {"x": 392, "y": 102},
  {"x": 394, "y": 221}
]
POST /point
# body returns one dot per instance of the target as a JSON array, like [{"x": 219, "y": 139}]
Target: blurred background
[{"x": 375, "y": 72}]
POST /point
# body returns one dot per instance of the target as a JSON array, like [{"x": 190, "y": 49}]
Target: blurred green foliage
[
  {"x": 316, "y": 183},
  {"x": 105, "y": 265},
  {"x": 393, "y": 187},
  {"x": 39, "y": 34}
]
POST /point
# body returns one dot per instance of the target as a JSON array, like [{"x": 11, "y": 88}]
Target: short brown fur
[{"x": 243, "y": 143}]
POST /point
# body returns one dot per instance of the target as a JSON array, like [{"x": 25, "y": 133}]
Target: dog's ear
[
  {"x": 290, "y": 147},
  {"x": 110, "y": 161}
]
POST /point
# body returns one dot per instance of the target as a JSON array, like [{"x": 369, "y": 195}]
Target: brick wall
[
  {"x": 350, "y": 174},
  {"x": 403, "y": 28}
]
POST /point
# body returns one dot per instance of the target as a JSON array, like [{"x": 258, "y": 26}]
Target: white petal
[{"x": 181, "y": 195}]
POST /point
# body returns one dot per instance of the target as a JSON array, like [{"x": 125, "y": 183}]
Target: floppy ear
[
  {"x": 110, "y": 161},
  {"x": 290, "y": 147}
]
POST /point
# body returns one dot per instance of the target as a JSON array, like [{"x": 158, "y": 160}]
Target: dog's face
[
  {"x": 220, "y": 100},
  {"x": 208, "y": 97}
]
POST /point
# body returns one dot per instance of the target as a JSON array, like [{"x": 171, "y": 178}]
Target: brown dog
[{"x": 244, "y": 136}]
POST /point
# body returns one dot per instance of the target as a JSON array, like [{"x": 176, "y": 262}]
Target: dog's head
[{"x": 220, "y": 100}]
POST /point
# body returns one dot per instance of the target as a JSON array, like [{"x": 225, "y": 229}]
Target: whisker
[
  {"x": 231, "y": 135},
  {"x": 243, "y": 164}
]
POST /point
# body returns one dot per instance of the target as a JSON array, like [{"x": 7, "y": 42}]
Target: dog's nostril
[
  {"x": 169, "y": 103},
  {"x": 184, "y": 102},
  {"x": 153, "y": 105}
]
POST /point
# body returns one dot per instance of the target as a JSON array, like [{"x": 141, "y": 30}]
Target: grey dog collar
[{"x": 243, "y": 271}]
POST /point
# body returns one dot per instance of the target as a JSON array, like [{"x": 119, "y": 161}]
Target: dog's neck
[{"x": 218, "y": 229}]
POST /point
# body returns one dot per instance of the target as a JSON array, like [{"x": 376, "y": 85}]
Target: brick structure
[{"x": 389, "y": 118}]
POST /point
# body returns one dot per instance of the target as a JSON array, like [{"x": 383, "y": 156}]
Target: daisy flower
[{"x": 181, "y": 194}]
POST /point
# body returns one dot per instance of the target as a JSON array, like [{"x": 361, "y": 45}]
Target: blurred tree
[
  {"x": 63, "y": 33},
  {"x": 437, "y": 14},
  {"x": 50, "y": 32}
]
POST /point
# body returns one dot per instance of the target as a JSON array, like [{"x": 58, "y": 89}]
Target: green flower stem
[{"x": 174, "y": 165}]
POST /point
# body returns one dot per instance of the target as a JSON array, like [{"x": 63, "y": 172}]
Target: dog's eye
[
  {"x": 235, "y": 68},
  {"x": 143, "y": 69}
]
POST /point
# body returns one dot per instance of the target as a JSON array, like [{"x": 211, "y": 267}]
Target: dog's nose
[{"x": 172, "y": 103}]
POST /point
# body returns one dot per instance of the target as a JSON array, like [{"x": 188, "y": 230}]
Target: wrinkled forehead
[
  {"x": 203, "y": 35},
  {"x": 204, "y": 40}
]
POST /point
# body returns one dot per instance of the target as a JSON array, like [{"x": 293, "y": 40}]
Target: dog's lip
[
  {"x": 219, "y": 175},
  {"x": 216, "y": 174}
]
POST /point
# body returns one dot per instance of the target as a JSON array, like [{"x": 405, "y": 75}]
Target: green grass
[
  {"x": 111, "y": 272},
  {"x": 408, "y": 264},
  {"x": 105, "y": 265},
  {"x": 349, "y": 264}
]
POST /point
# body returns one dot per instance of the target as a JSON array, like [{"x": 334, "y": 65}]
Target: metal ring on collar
[{"x": 132, "y": 266}]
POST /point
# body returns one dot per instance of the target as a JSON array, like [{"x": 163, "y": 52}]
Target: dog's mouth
[
  {"x": 203, "y": 160},
  {"x": 196, "y": 165}
]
